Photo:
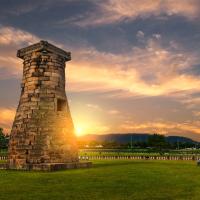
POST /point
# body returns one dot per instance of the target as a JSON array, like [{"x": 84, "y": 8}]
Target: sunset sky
[{"x": 135, "y": 63}]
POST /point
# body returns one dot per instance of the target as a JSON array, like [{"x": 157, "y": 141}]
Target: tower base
[{"x": 48, "y": 167}]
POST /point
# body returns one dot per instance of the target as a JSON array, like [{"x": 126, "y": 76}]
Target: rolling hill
[{"x": 127, "y": 137}]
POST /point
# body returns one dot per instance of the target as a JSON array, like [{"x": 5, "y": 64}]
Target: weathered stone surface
[{"x": 42, "y": 136}]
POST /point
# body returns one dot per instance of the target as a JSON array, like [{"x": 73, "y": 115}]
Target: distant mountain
[
  {"x": 127, "y": 137},
  {"x": 173, "y": 139}
]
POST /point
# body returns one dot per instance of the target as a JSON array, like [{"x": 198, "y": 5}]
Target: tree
[
  {"x": 157, "y": 141},
  {"x": 3, "y": 140}
]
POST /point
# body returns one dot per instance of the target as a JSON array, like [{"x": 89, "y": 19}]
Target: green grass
[
  {"x": 82, "y": 153},
  {"x": 117, "y": 180}
]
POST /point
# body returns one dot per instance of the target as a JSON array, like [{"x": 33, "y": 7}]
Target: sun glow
[
  {"x": 90, "y": 123},
  {"x": 79, "y": 131}
]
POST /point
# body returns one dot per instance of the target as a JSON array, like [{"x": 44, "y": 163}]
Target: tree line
[
  {"x": 4, "y": 139},
  {"x": 155, "y": 142}
]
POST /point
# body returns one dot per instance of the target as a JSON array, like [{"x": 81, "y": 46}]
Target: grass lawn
[
  {"x": 116, "y": 180},
  {"x": 112, "y": 152}
]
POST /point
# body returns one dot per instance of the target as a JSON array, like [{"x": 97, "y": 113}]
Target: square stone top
[{"x": 43, "y": 46}]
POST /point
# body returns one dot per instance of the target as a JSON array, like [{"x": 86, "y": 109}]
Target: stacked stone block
[{"x": 42, "y": 132}]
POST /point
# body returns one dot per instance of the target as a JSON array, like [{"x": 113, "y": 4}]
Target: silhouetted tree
[
  {"x": 157, "y": 141},
  {"x": 3, "y": 140}
]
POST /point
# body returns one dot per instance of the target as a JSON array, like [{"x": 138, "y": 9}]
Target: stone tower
[{"x": 42, "y": 136}]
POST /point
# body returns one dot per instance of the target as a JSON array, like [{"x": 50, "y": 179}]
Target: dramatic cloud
[
  {"x": 111, "y": 11},
  {"x": 149, "y": 71},
  {"x": 12, "y": 39},
  {"x": 153, "y": 67}
]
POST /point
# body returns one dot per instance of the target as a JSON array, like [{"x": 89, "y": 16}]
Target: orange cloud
[
  {"x": 164, "y": 127},
  {"x": 190, "y": 102},
  {"x": 94, "y": 106},
  {"x": 149, "y": 71},
  {"x": 10, "y": 35},
  {"x": 113, "y": 112},
  {"x": 6, "y": 118},
  {"x": 196, "y": 113}
]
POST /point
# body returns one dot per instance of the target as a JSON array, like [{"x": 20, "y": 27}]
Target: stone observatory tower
[{"x": 42, "y": 136}]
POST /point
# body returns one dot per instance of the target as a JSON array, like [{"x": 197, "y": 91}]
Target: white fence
[
  {"x": 131, "y": 157},
  {"x": 139, "y": 157},
  {"x": 3, "y": 157}
]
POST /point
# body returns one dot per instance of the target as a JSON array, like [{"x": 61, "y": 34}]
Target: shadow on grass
[{"x": 97, "y": 164}]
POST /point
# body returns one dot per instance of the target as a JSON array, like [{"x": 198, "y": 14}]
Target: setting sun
[{"x": 79, "y": 131}]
